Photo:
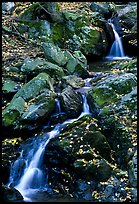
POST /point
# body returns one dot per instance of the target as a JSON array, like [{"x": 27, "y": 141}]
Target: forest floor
[{"x": 15, "y": 46}]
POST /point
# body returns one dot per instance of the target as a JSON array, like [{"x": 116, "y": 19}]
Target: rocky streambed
[{"x": 93, "y": 158}]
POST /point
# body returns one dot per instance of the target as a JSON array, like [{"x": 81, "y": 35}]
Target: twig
[
  {"x": 12, "y": 32},
  {"x": 46, "y": 10}
]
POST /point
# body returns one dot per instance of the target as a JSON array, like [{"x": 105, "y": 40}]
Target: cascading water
[
  {"x": 27, "y": 174},
  {"x": 117, "y": 50}
]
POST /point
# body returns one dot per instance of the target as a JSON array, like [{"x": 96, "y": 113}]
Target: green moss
[
  {"x": 13, "y": 111},
  {"x": 9, "y": 118},
  {"x": 58, "y": 33},
  {"x": 103, "y": 95}
]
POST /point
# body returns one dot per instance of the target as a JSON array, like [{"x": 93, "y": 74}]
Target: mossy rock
[
  {"x": 54, "y": 54},
  {"x": 25, "y": 97},
  {"x": 10, "y": 86},
  {"x": 74, "y": 81},
  {"x": 110, "y": 89},
  {"x": 34, "y": 87},
  {"x": 13, "y": 111},
  {"x": 38, "y": 65},
  {"x": 42, "y": 106}
]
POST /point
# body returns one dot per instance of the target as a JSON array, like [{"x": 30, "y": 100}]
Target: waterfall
[
  {"x": 58, "y": 107},
  {"x": 27, "y": 174},
  {"x": 117, "y": 50}
]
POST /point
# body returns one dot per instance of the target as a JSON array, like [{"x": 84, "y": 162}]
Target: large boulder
[
  {"x": 83, "y": 147},
  {"x": 105, "y": 10},
  {"x": 76, "y": 64},
  {"x": 38, "y": 65},
  {"x": 109, "y": 90},
  {"x": 10, "y": 194},
  {"x": 72, "y": 62},
  {"x": 115, "y": 97},
  {"x": 91, "y": 40},
  {"x": 36, "y": 99},
  {"x": 71, "y": 102},
  {"x": 54, "y": 54}
]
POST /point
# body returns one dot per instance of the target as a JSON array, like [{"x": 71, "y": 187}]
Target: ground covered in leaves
[{"x": 15, "y": 46}]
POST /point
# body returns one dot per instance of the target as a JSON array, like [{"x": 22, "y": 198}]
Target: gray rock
[
  {"x": 7, "y": 6},
  {"x": 71, "y": 102}
]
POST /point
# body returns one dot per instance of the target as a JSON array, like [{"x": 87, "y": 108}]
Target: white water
[
  {"x": 117, "y": 50},
  {"x": 33, "y": 178}
]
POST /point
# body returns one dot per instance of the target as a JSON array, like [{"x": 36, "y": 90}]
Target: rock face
[
  {"x": 33, "y": 101},
  {"x": 10, "y": 194},
  {"x": 112, "y": 95},
  {"x": 71, "y": 102},
  {"x": 83, "y": 147},
  {"x": 110, "y": 89},
  {"x": 128, "y": 21},
  {"x": 72, "y": 63},
  {"x": 105, "y": 10}
]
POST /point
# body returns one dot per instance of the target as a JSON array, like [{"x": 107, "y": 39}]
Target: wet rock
[
  {"x": 10, "y": 194},
  {"x": 71, "y": 102},
  {"x": 22, "y": 102}
]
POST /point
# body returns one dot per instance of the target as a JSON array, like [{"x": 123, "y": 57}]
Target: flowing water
[
  {"x": 27, "y": 173},
  {"x": 117, "y": 50}
]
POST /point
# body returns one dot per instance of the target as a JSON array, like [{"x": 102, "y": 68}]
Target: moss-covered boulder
[
  {"x": 71, "y": 102},
  {"x": 105, "y": 10},
  {"x": 115, "y": 97},
  {"x": 76, "y": 63},
  {"x": 72, "y": 62},
  {"x": 83, "y": 36},
  {"x": 110, "y": 89},
  {"x": 37, "y": 9},
  {"x": 83, "y": 147},
  {"x": 38, "y": 65},
  {"x": 10, "y": 87},
  {"x": 31, "y": 101},
  {"x": 54, "y": 54},
  {"x": 42, "y": 106}
]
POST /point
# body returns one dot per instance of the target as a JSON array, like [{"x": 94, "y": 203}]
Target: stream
[
  {"x": 27, "y": 174},
  {"x": 32, "y": 179}
]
